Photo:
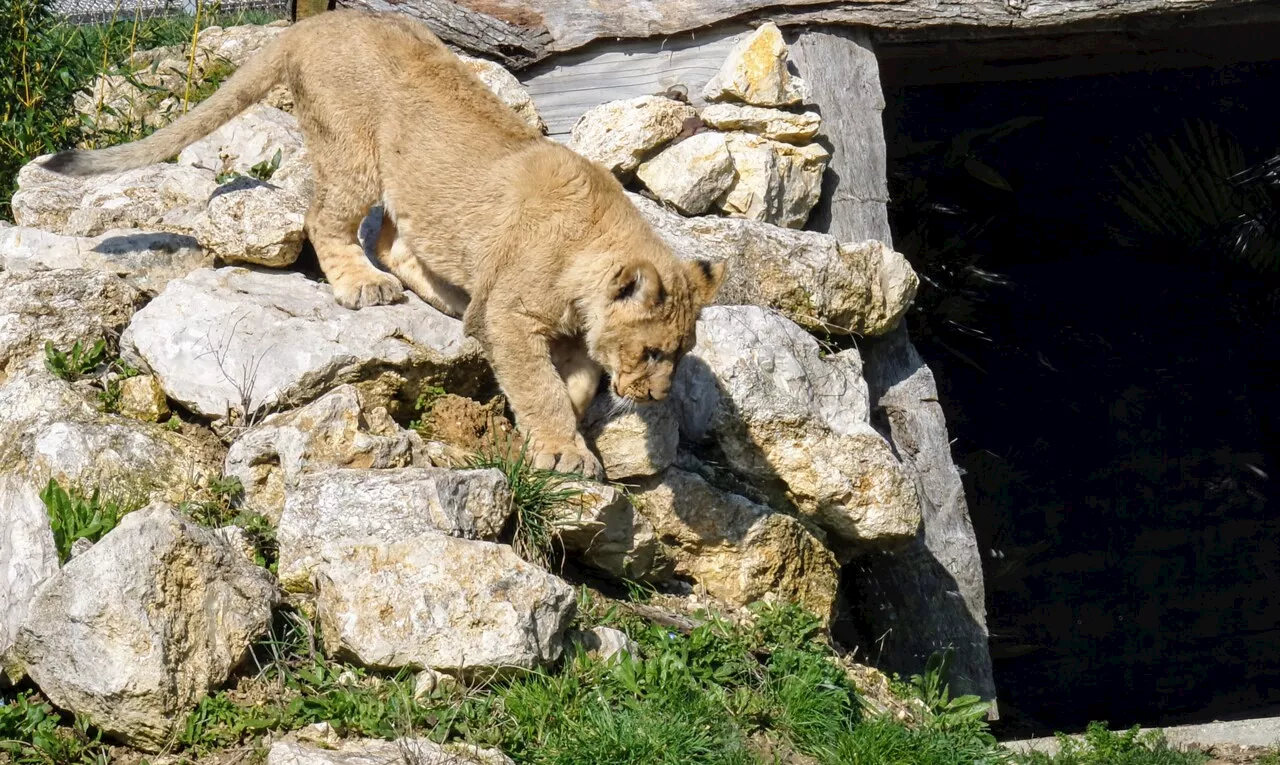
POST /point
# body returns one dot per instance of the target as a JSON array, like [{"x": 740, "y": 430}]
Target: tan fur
[{"x": 537, "y": 249}]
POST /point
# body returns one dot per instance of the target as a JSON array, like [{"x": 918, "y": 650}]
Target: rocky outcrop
[
  {"x": 410, "y": 751},
  {"x": 755, "y": 72},
  {"x": 640, "y": 440},
  {"x": 60, "y": 307},
  {"x": 238, "y": 340},
  {"x": 811, "y": 278},
  {"x": 738, "y": 551},
  {"x": 146, "y": 260},
  {"x": 776, "y": 124},
  {"x": 774, "y": 182},
  {"x": 795, "y": 422},
  {"x": 28, "y": 558},
  {"x": 333, "y": 431},
  {"x": 130, "y": 634},
  {"x": 622, "y": 134},
  {"x": 464, "y": 607},
  {"x": 599, "y": 526},
  {"x": 691, "y": 175},
  {"x": 385, "y": 506}
]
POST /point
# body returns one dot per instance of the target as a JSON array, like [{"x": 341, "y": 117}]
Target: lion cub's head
[{"x": 647, "y": 322}]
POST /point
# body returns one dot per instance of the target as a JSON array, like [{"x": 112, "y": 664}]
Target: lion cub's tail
[{"x": 247, "y": 86}]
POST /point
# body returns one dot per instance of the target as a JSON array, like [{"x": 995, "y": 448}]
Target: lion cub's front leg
[{"x": 521, "y": 356}]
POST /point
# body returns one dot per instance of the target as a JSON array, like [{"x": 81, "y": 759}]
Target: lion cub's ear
[
  {"x": 639, "y": 282},
  {"x": 705, "y": 277}
]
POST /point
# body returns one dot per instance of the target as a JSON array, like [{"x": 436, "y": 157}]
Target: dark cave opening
[{"x": 1099, "y": 304}]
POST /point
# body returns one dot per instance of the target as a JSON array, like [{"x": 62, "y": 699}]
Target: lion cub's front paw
[
  {"x": 566, "y": 457},
  {"x": 368, "y": 289}
]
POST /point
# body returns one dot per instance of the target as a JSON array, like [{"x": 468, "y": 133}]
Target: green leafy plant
[
  {"x": 75, "y": 515},
  {"x": 32, "y": 733},
  {"x": 942, "y": 711},
  {"x": 76, "y": 362},
  {"x": 425, "y": 403},
  {"x": 113, "y": 384},
  {"x": 223, "y": 510}
]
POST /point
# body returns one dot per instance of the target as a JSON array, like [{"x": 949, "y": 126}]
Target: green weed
[
  {"x": 32, "y": 733},
  {"x": 77, "y": 362},
  {"x": 75, "y": 515},
  {"x": 224, "y": 510}
]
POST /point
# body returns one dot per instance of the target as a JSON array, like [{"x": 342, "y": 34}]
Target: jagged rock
[
  {"x": 621, "y": 134},
  {"x": 813, "y": 280},
  {"x": 640, "y": 440},
  {"x": 134, "y": 632},
  {"x": 251, "y": 139},
  {"x": 599, "y": 525},
  {"x": 49, "y": 430},
  {"x": 795, "y": 422},
  {"x": 159, "y": 197},
  {"x": 736, "y": 549},
  {"x": 142, "y": 398},
  {"x": 251, "y": 221},
  {"x": 776, "y": 182},
  {"x": 385, "y": 506},
  {"x": 27, "y": 558},
  {"x": 605, "y": 643},
  {"x": 789, "y": 127},
  {"x": 508, "y": 90},
  {"x": 239, "y": 340},
  {"x": 692, "y": 174},
  {"x": 330, "y": 432},
  {"x": 755, "y": 72},
  {"x": 146, "y": 260},
  {"x": 236, "y": 45},
  {"x": 417, "y": 751},
  {"x": 460, "y": 606},
  {"x": 59, "y": 307}
]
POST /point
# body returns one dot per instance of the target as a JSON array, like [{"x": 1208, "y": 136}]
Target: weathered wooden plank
[
  {"x": 844, "y": 82},
  {"x": 575, "y": 82},
  {"x": 930, "y": 596},
  {"x": 512, "y": 45},
  {"x": 575, "y": 23},
  {"x": 304, "y": 8}
]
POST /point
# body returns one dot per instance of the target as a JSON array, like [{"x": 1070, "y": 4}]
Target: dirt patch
[{"x": 470, "y": 426}]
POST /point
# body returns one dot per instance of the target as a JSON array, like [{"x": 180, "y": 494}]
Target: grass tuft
[
  {"x": 75, "y": 514},
  {"x": 537, "y": 496}
]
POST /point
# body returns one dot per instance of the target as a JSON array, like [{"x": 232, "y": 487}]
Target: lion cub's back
[{"x": 385, "y": 64}]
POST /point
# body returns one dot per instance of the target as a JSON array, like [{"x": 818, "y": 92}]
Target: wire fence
[{"x": 97, "y": 11}]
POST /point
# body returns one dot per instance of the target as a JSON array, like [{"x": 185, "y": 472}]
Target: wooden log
[
  {"x": 844, "y": 84},
  {"x": 305, "y": 8},
  {"x": 574, "y": 82},
  {"x": 473, "y": 31},
  {"x": 573, "y": 24}
]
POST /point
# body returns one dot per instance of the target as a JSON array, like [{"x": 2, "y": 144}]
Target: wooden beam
[
  {"x": 475, "y": 32},
  {"x": 572, "y": 24},
  {"x": 844, "y": 84},
  {"x": 305, "y": 8}
]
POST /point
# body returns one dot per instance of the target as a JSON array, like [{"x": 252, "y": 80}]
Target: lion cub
[{"x": 538, "y": 250}]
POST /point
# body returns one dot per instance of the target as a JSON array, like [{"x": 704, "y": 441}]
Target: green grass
[
  {"x": 223, "y": 509},
  {"x": 76, "y": 514},
  {"x": 1100, "y": 746},
  {"x": 687, "y": 699},
  {"x": 536, "y": 495},
  {"x": 76, "y": 362},
  {"x": 44, "y": 61}
]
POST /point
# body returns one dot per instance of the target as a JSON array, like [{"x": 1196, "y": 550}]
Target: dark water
[{"x": 1112, "y": 390}]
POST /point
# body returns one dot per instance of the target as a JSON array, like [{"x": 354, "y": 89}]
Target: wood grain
[{"x": 475, "y": 32}]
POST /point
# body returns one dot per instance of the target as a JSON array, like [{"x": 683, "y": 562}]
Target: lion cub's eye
[{"x": 652, "y": 354}]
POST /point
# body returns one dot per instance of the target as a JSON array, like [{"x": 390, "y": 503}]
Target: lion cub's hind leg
[
  {"x": 581, "y": 375},
  {"x": 395, "y": 254},
  {"x": 345, "y": 190}
]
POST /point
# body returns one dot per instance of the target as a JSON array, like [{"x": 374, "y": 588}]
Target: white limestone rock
[{"x": 132, "y": 633}]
